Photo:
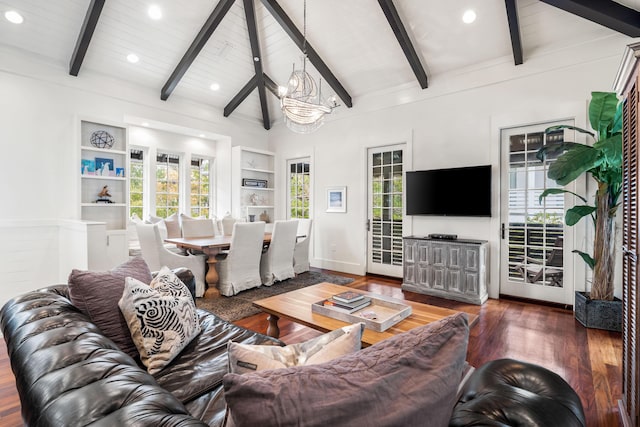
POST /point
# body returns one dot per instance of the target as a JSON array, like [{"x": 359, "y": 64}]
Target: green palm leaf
[
  {"x": 602, "y": 110},
  {"x": 611, "y": 149},
  {"x": 573, "y": 163},
  {"x": 549, "y": 191},
  {"x": 576, "y": 213},
  {"x": 558, "y": 127},
  {"x": 586, "y": 257}
]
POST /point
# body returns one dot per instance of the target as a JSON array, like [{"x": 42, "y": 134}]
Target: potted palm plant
[{"x": 603, "y": 162}]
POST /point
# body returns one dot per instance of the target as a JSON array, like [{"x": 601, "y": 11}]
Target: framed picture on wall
[{"x": 337, "y": 199}]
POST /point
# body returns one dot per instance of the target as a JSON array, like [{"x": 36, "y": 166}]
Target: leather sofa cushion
[
  {"x": 199, "y": 368},
  {"x": 508, "y": 392},
  {"x": 68, "y": 373}
]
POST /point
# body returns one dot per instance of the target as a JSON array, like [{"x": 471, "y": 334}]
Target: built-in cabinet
[
  {"x": 628, "y": 85},
  {"x": 453, "y": 269},
  {"x": 253, "y": 184},
  {"x": 104, "y": 189}
]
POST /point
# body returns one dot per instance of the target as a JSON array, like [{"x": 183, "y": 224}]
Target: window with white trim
[
  {"x": 136, "y": 182},
  {"x": 299, "y": 183},
  {"x": 200, "y": 188},
  {"x": 167, "y": 184}
]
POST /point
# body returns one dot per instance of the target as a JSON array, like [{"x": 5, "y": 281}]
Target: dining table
[{"x": 210, "y": 246}]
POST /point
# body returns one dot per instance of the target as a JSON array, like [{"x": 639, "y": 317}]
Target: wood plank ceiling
[{"x": 246, "y": 46}]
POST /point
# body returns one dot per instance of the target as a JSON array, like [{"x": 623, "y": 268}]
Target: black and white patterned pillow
[{"x": 161, "y": 316}]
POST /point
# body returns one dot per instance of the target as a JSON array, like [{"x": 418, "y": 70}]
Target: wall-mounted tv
[{"x": 449, "y": 192}]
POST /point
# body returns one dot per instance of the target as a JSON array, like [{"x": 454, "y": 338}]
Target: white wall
[
  {"x": 452, "y": 123},
  {"x": 39, "y": 109},
  {"x": 455, "y": 122}
]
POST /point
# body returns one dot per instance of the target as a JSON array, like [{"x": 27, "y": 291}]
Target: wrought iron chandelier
[{"x": 302, "y": 103}]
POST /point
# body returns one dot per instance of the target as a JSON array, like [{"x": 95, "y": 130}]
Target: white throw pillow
[
  {"x": 244, "y": 358},
  {"x": 161, "y": 316}
]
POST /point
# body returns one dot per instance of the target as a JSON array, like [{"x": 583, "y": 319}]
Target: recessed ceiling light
[
  {"x": 133, "y": 58},
  {"x": 201, "y": 135},
  {"x": 469, "y": 16},
  {"x": 214, "y": 86},
  {"x": 145, "y": 124},
  {"x": 13, "y": 17},
  {"x": 155, "y": 12}
]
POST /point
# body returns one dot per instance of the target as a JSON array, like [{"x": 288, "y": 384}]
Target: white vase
[{"x": 227, "y": 224}]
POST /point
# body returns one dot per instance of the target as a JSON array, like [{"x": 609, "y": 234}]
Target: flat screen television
[{"x": 449, "y": 192}]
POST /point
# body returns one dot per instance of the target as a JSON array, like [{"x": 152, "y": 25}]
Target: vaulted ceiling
[{"x": 248, "y": 47}]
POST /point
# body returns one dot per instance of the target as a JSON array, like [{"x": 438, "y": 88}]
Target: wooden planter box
[{"x": 598, "y": 314}]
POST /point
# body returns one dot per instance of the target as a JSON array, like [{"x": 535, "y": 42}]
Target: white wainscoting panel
[{"x": 29, "y": 256}]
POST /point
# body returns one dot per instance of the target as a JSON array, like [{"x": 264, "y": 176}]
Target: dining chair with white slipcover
[
  {"x": 277, "y": 260},
  {"x": 156, "y": 255},
  {"x": 239, "y": 267},
  {"x": 194, "y": 228},
  {"x": 301, "y": 250}
]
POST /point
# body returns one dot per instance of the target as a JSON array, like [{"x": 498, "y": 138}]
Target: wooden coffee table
[{"x": 296, "y": 306}]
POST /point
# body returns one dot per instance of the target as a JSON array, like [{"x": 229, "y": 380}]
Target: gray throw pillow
[
  {"x": 408, "y": 379},
  {"x": 96, "y": 294}
]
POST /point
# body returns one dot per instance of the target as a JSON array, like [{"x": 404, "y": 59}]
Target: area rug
[{"x": 240, "y": 306}]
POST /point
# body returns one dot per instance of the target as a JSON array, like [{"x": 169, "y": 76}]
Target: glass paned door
[
  {"x": 533, "y": 231},
  {"x": 386, "y": 166}
]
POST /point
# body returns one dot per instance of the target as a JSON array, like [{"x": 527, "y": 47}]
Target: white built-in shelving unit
[
  {"x": 253, "y": 181},
  {"x": 107, "y": 243}
]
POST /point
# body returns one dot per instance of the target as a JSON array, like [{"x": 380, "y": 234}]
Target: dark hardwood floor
[{"x": 589, "y": 360}]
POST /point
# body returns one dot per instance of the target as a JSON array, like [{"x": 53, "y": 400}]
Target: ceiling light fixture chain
[
  {"x": 302, "y": 104},
  {"x": 304, "y": 29}
]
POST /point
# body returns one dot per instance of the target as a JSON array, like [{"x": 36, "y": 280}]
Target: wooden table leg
[
  {"x": 273, "y": 330},
  {"x": 212, "y": 274}
]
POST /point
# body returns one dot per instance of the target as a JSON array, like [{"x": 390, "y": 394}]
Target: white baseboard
[{"x": 341, "y": 266}]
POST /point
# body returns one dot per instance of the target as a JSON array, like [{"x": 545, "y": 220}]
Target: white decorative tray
[{"x": 388, "y": 312}]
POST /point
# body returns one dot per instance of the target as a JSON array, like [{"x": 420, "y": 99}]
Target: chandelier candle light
[{"x": 302, "y": 103}]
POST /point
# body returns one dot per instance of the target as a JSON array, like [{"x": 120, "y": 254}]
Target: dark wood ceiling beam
[
  {"x": 514, "y": 31},
  {"x": 272, "y": 86},
  {"x": 241, "y": 96},
  {"x": 86, "y": 33},
  {"x": 608, "y": 13},
  {"x": 391, "y": 13},
  {"x": 285, "y": 22},
  {"x": 250, "y": 14},
  {"x": 198, "y": 43}
]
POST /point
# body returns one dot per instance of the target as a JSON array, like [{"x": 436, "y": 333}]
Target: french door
[
  {"x": 385, "y": 209},
  {"x": 533, "y": 234}
]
